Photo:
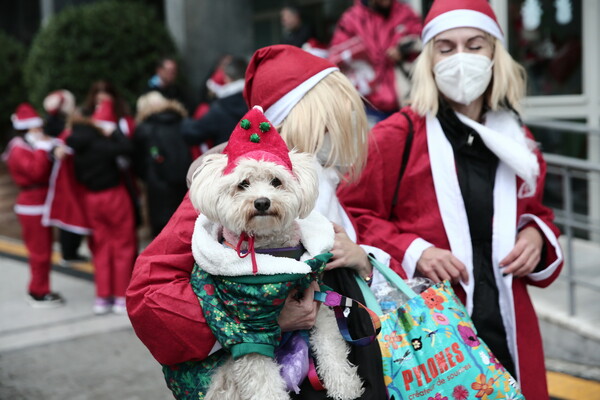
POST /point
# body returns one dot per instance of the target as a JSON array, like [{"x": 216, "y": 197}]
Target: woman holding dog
[
  {"x": 316, "y": 110},
  {"x": 468, "y": 206}
]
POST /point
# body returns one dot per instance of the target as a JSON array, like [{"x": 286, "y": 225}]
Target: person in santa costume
[
  {"x": 60, "y": 107},
  {"x": 371, "y": 41},
  {"x": 29, "y": 160},
  {"x": 468, "y": 205},
  {"x": 316, "y": 109},
  {"x": 107, "y": 204}
]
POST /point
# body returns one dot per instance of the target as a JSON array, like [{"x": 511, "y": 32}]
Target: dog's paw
[
  {"x": 343, "y": 385},
  {"x": 222, "y": 385},
  {"x": 339, "y": 376},
  {"x": 257, "y": 378}
]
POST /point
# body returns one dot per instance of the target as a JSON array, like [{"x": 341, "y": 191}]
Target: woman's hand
[
  {"x": 299, "y": 313},
  {"x": 346, "y": 253},
  {"x": 59, "y": 152},
  {"x": 526, "y": 254},
  {"x": 439, "y": 264}
]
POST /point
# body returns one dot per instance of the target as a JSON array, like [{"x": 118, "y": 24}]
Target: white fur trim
[
  {"x": 504, "y": 232},
  {"x": 22, "y": 209},
  {"x": 124, "y": 126},
  {"x": 228, "y": 89},
  {"x": 549, "y": 270},
  {"x": 450, "y": 201},
  {"x": 30, "y": 123},
  {"x": 106, "y": 125},
  {"x": 316, "y": 233},
  {"x": 282, "y": 107},
  {"x": 38, "y": 144},
  {"x": 413, "y": 254},
  {"x": 458, "y": 19}
]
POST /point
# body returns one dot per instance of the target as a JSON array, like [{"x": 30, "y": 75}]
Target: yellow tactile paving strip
[
  {"x": 18, "y": 249},
  {"x": 568, "y": 387}
]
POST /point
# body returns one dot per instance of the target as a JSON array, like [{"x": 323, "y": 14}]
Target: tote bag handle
[{"x": 393, "y": 278}]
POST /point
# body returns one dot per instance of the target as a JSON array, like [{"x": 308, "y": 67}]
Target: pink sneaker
[
  {"x": 102, "y": 305},
  {"x": 119, "y": 306}
]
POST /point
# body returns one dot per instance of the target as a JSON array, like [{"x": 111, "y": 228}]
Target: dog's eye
[
  {"x": 275, "y": 182},
  {"x": 243, "y": 184}
]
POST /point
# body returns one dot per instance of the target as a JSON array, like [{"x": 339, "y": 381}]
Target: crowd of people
[{"x": 447, "y": 185}]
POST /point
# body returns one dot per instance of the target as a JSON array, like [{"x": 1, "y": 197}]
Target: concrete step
[{"x": 572, "y": 338}]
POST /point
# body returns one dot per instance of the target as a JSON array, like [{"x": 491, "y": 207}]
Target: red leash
[{"x": 244, "y": 237}]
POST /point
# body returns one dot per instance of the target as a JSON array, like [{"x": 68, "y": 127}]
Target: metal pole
[{"x": 568, "y": 199}]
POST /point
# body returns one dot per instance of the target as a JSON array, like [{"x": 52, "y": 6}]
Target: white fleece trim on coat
[
  {"x": 316, "y": 234},
  {"x": 26, "y": 209},
  {"x": 456, "y": 223},
  {"x": 450, "y": 201},
  {"x": 413, "y": 254},
  {"x": 551, "y": 237}
]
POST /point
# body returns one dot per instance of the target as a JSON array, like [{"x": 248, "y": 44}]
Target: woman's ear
[
  {"x": 304, "y": 169},
  {"x": 205, "y": 176}
]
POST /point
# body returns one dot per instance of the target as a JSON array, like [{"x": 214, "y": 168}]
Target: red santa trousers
[
  {"x": 113, "y": 242},
  {"x": 38, "y": 241}
]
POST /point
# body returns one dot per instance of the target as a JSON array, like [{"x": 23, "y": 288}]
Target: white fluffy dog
[{"x": 272, "y": 205}]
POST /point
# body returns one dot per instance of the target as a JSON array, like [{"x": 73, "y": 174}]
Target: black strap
[{"x": 405, "y": 155}]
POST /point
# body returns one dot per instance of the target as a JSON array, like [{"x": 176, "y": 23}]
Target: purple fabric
[{"x": 293, "y": 358}]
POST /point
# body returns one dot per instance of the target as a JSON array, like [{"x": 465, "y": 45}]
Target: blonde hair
[
  {"x": 333, "y": 106},
  {"x": 505, "y": 91},
  {"x": 154, "y": 102}
]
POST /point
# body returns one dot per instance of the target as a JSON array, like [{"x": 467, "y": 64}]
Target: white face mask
[
  {"x": 463, "y": 77},
  {"x": 325, "y": 150}
]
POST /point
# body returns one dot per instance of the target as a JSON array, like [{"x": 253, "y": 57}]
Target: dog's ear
[
  {"x": 205, "y": 177},
  {"x": 304, "y": 168}
]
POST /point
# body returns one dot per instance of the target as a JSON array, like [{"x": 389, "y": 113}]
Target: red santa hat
[
  {"x": 445, "y": 15},
  {"x": 279, "y": 76},
  {"x": 255, "y": 137},
  {"x": 25, "y": 117},
  {"x": 59, "y": 100},
  {"x": 104, "y": 116},
  {"x": 316, "y": 48}
]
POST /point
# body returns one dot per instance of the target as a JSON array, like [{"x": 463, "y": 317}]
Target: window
[{"x": 545, "y": 36}]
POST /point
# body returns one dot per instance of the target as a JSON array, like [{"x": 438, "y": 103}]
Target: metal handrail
[
  {"x": 575, "y": 127},
  {"x": 569, "y": 168}
]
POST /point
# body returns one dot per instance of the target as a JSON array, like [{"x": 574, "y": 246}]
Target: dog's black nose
[{"x": 262, "y": 204}]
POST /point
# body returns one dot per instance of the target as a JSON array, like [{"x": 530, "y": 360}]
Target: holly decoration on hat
[{"x": 256, "y": 138}]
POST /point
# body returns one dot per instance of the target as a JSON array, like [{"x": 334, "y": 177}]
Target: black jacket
[
  {"x": 95, "y": 158},
  {"x": 218, "y": 123},
  {"x": 161, "y": 160}
]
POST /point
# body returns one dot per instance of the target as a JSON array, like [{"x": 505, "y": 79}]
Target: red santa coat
[
  {"x": 362, "y": 33},
  {"x": 30, "y": 169},
  {"x": 64, "y": 205},
  {"x": 430, "y": 211}
]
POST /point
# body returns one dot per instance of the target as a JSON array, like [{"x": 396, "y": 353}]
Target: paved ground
[{"x": 70, "y": 354}]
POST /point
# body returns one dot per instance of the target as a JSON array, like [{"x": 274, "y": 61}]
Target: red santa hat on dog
[
  {"x": 445, "y": 15},
  {"x": 25, "y": 117},
  {"x": 255, "y": 137},
  {"x": 279, "y": 76},
  {"x": 104, "y": 116}
]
